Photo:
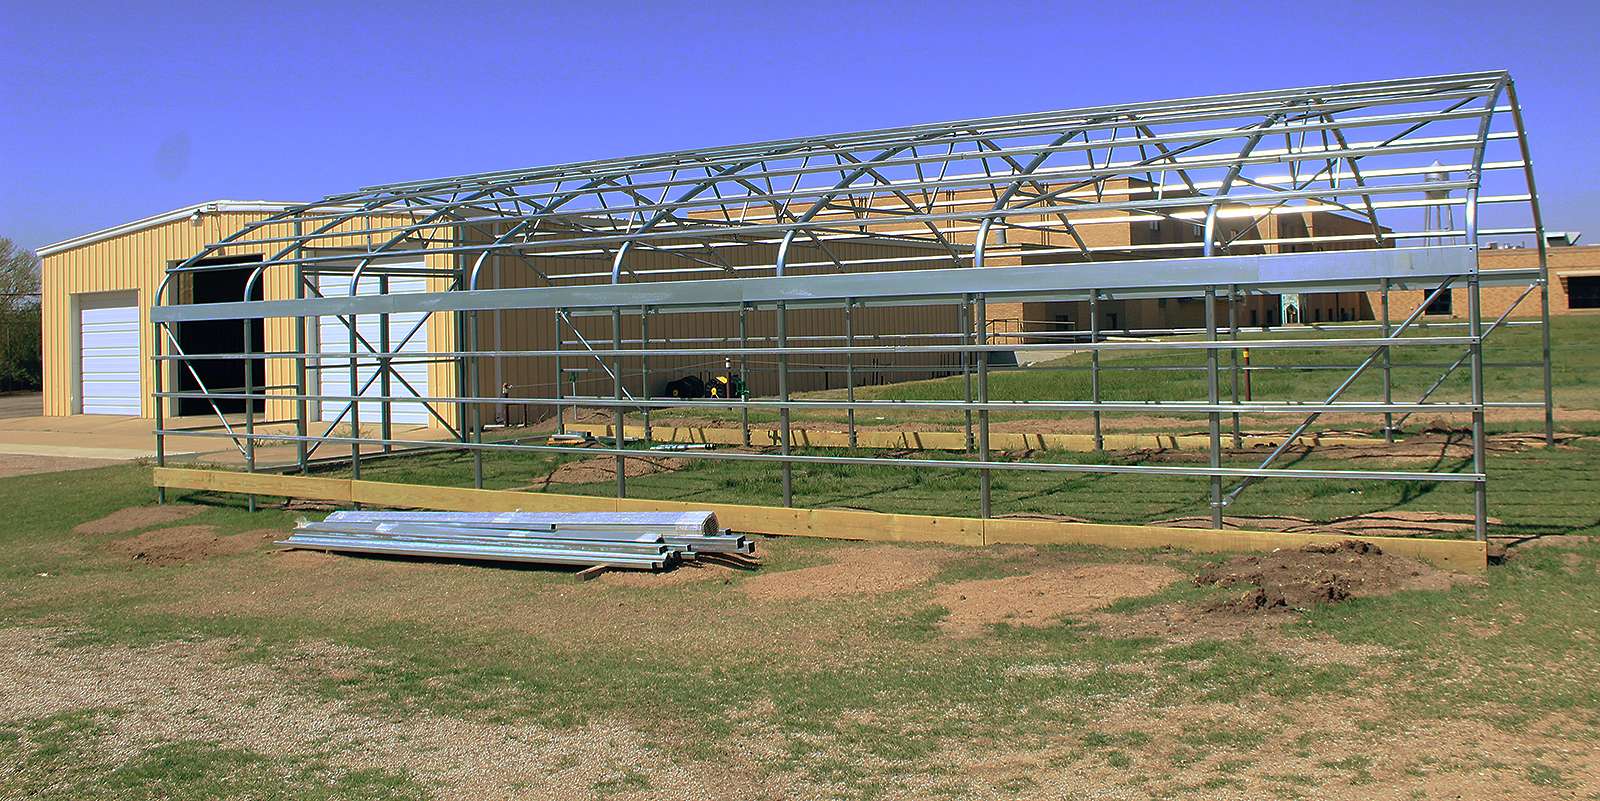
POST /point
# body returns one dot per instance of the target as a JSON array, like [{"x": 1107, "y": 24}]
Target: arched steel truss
[{"x": 1211, "y": 197}]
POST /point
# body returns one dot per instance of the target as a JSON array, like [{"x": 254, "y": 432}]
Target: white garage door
[
  {"x": 333, "y": 334},
  {"x": 108, "y": 353}
]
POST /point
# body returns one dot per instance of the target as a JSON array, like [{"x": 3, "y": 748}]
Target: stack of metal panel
[{"x": 637, "y": 540}]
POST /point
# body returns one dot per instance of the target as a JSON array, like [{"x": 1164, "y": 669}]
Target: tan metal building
[
  {"x": 97, "y": 291},
  {"x": 98, "y": 339}
]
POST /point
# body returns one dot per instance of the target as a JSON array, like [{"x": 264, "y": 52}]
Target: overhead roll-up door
[{"x": 108, "y": 353}]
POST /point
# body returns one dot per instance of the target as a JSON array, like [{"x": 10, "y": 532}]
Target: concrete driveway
[
  {"x": 33, "y": 443},
  {"x": 21, "y": 404},
  {"x": 83, "y": 436}
]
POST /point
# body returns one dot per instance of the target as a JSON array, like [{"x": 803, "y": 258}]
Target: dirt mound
[
  {"x": 854, "y": 571},
  {"x": 1375, "y": 524},
  {"x": 1037, "y": 599},
  {"x": 1317, "y": 574},
  {"x": 604, "y": 468},
  {"x": 137, "y": 517},
  {"x": 183, "y": 544},
  {"x": 1042, "y": 516}
]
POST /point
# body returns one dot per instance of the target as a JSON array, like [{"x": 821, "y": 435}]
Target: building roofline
[{"x": 208, "y": 207}]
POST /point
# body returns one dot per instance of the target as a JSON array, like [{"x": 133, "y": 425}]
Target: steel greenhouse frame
[{"x": 996, "y": 209}]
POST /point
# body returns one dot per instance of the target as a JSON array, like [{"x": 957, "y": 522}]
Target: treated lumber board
[
  {"x": 1459, "y": 555},
  {"x": 304, "y": 487},
  {"x": 847, "y": 524}
]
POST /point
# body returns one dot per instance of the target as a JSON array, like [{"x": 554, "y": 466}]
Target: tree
[{"x": 20, "y": 363}]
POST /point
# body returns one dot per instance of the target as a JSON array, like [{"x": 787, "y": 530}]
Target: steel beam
[{"x": 1264, "y": 272}]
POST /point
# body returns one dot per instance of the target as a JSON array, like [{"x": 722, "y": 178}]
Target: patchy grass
[
  {"x": 1567, "y": 500},
  {"x": 861, "y": 697},
  {"x": 717, "y": 693},
  {"x": 1148, "y": 376},
  {"x": 61, "y": 757}
]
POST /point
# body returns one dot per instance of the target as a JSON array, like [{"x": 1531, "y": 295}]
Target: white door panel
[
  {"x": 333, "y": 335},
  {"x": 108, "y": 353}
]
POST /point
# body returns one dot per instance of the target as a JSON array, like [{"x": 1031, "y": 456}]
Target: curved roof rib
[{"x": 1413, "y": 162}]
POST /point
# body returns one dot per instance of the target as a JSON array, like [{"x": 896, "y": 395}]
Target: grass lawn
[
  {"x": 1571, "y": 498},
  {"x": 243, "y": 672},
  {"x": 173, "y": 653},
  {"x": 1137, "y": 376}
]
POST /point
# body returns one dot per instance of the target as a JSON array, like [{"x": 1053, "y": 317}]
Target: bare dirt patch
[
  {"x": 252, "y": 706},
  {"x": 12, "y": 464},
  {"x": 306, "y": 559},
  {"x": 1341, "y": 758},
  {"x": 137, "y": 517},
  {"x": 182, "y": 545},
  {"x": 1319, "y": 574},
  {"x": 1040, "y": 597},
  {"x": 604, "y": 468},
  {"x": 1373, "y": 524},
  {"x": 1043, "y": 516},
  {"x": 1423, "y": 448},
  {"x": 696, "y": 572},
  {"x": 1185, "y": 624},
  {"x": 854, "y": 571}
]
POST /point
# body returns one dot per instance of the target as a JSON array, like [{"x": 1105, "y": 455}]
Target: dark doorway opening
[{"x": 200, "y": 337}]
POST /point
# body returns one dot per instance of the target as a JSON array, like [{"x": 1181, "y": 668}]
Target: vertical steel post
[
  {"x": 474, "y": 386},
  {"x": 1233, "y": 335},
  {"x": 966, "y": 363},
  {"x": 744, "y": 370},
  {"x": 850, "y": 367},
  {"x": 249, "y": 406},
  {"x": 644, "y": 368},
  {"x": 981, "y": 312},
  {"x": 1480, "y": 506},
  {"x": 157, "y": 375},
  {"x": 355, "y": 394},
  {"x": 1544, "y": 343},
  {"x": 561, "y": 420},
  {"x": 1388, "y": 378},
  {"x": 616, "y": 394},
  {"x": 1213, "y": 396},
  {"x": 301, "y": 385},
  {"x": 386, "y": 366},
  {"x": 783, "y": 395},
  {"x": 463, "y": 379},
  {"x": 1094, "y": 366}
]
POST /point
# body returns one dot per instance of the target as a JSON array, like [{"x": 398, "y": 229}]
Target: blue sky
[{"x": 111, "y": 111}]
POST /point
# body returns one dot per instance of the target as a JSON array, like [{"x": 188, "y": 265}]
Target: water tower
[{"x": 1439, "y": 214}]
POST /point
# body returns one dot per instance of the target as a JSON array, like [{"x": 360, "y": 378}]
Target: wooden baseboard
[{"x": 1467, "y": 556}]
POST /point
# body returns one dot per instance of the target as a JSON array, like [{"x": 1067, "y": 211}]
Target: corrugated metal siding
[
  {"x": 132, "y": 262},
  {"x": 137, "y": 262},
  {"x": 535, "y": 329}
]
